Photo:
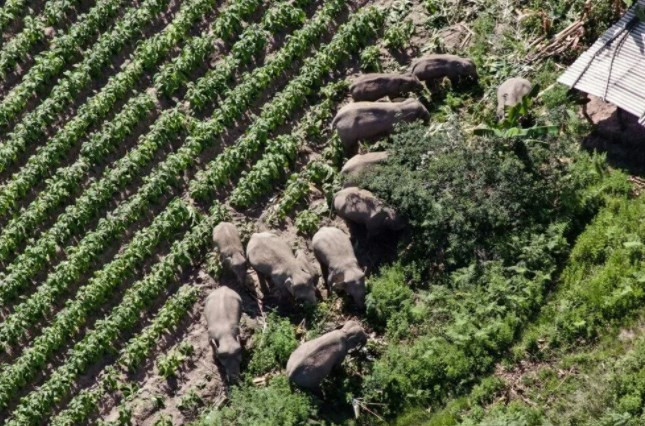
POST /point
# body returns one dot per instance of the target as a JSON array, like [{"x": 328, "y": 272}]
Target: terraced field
[{"x": 130, "y": 129}]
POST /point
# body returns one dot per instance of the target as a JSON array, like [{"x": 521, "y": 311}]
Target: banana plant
[{"x": 511, "y": 126}]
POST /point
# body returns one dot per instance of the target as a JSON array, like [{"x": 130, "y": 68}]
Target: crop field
[{"x": 128, "y": 130}]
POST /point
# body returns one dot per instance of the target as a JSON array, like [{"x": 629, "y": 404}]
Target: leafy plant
[
  {"x": 272, "y": 346},
  {"x": 511, "y": 126},
  {"x": 308, "y": 222},
  {"x": 370, "y": 59},
  {"x": 275, "y": 404}
]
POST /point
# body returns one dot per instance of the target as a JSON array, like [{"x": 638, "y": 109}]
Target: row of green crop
[
  {"x": 34, "y": 29},
  {"x": 147, "y": 55},
  {"x": 89, "y": 299},
  {"x": 280, "y": 153},
  {"x": 46, "y": 68},
  {"x": 176, "y": 74},
  {"x": 101, "y": 340},
  {"x": 348, "y": 39},
  {"x": 10, "y": 11},
  {"x": 67, "y": 180},
  {"x": 164, "y": 177},
  {"x": 130, "y": 358}
]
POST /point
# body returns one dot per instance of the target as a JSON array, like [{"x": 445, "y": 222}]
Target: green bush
[
  {"x": 272, "y": 346},
  {"x": 390, "y": 301},
  {"x": 468, "y": 199},
  {"x": 275, "y": 404},
  {"x": 493, "y": 218}
]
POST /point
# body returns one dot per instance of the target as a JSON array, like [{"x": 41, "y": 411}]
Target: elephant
[
  {"x": 312, "y": 361},
  {"x": 227, "y": 242},
  {"x": 223, "y": 310},
  {"x": 364, "y": 120},
  {"x": 271, "y": 257},
  {"x": 335, "y": 253},
  {"x": 371, "y": 87}
]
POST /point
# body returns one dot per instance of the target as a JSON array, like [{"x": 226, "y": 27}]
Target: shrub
[
  {"x": 466, "y": 200},
  {"x": 390, "y": 301},
  {"x": 275, "y": 404},
  {"x": 272, "y": 346}
]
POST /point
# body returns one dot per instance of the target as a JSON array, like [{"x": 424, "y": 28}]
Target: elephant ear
[
  {"x": 288, "y": 283},
  {"x": 337, "y": 282},
  {"x": 305, "y": 265}
]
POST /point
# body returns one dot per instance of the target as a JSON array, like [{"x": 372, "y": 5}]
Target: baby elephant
[
  {"x": 313, "y": 361},
  {"x": 362, "y": 207},
  {"x": 510, "y": 93},
  {"x": 231, "y": 253},
  {"x": 364, "y": 120},
  {"x": 223, "y": 310},
  {"x": 273, "y": 258},
  {"x": 433, "y": 68},
  {"x": 370, "y": 87},
  {"x": 359, "y": 164},
  {"x": 334, "y": 251}
]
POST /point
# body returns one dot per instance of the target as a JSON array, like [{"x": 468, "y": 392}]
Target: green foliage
[
  {"x": 603, "y": 282},
  {"x": 390, "y": 302},
  {"x": 511, "y": 126},
  {"x": 272, "y": 346},
  {"x": 170, "y": 364},
  {"x": 470, "y": 327},
  {"x": 469, "y": 199},
  {"x": 398, "y": 36},
  {"x": 371, "y": 59},
  {"x": 275, "y": 404},
  {"x": 307, "y": 222}
]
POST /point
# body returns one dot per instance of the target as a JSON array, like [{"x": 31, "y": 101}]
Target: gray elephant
[
  {"x": 433, "y": 68},
  {"x": 223, "y": 310},
  {"x": 362, "y": 207},
  {"x": 272, "y": 258},
  {"x": 334, "y": 251},
  {"x": 365, "y": 120},
  {"x": 510, "y": 93},
  {"x": 227, "y": 242},
  {"x": 359, "y": 164},
  {"x": 371, "y": 87},
  {"x": 312, "y": 361}
]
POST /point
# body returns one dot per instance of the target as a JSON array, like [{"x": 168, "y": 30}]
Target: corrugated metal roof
[{"x": 614, "y": 67}]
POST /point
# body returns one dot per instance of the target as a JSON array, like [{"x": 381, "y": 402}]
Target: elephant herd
[
  {"x": 273, "y": 259},
  {"x": 274, "y": 262}
]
